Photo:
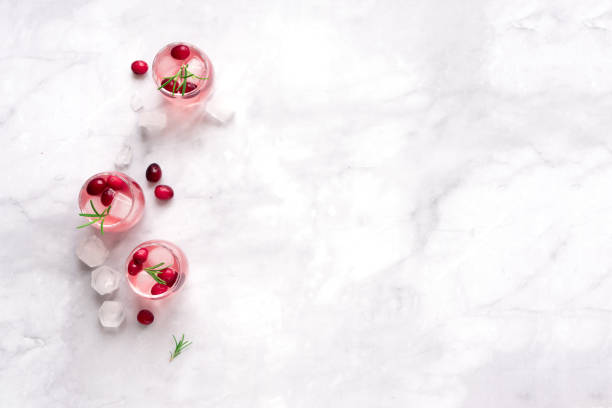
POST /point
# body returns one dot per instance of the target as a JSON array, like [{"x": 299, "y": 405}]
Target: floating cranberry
[
  {"x": 134, "y": 268},
  {"x": 180, "y": 52},
  {"x": 154, "y": 172},
  {"x": 145, "y": 317},
  {"x": 107, "y": 196},
  {"x": 115, "y": 183},
  {"x": 164, "y": 192},
  {"x": 96, "y": 186},
  {"x": 140, "y": 256},
  {"x": 171, "y": 86},
  {"x": 168, "y": 275},
  {"x": 158, "y": 289},
  {"x": 190, "y": 87},
  {"x": 139, "y": 67}
]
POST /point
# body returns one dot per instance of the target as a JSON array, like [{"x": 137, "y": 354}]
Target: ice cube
[
  {"x": 220, "y": 110},
  {"x": 105, "y": 280},
  {"x": 92, "y": 251},
  {"x": 152, "y": 120},
  {"x": 136, "y": 102},
  {"x": 121, "y": 206},
  {"x": 124, "y": 157},
  {"x": 111, "y": 314},
  {"x": 158, "y": 255}
]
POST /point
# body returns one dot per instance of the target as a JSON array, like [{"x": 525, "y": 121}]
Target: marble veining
[{"x": 411, "y": 207}]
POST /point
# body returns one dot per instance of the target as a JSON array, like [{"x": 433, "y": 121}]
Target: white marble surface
[{"x": 412, "y": 207}]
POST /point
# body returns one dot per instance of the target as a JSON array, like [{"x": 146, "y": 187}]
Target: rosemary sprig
[
  {"x": 182, "y": 73},
  {"x": 154, "y": 270},
  {"x": 179, "y": 346},
  {"x": 96, "y": 216}
]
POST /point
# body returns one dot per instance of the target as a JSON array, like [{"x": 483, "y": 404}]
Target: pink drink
[
  {"x": 197, "y": 63},
  {"x": 126, "y": 207},
  {"x": 172, "y": 260}
]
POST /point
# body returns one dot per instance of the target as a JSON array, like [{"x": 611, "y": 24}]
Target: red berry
[
  {"x": 171, "y": 85},
  {"x": 134, "y": 268},
  {"x": 169, "y": 276},
  {"x": 141, "y": 255},
  {"x": 96, "y": 186},
  {"x": 115, "y": 183},
  {"x": 154, "y": 172},
  {"x": 145, "y": 317},
  {"x": 180, "y": 52},
  {"x": 158, "y": 288},
  {"x": 164, "y": 192},
  {"x": 107, "y": 196},
  {"x": 190, "y": 87},
  {"x": 139, "y": 67}
]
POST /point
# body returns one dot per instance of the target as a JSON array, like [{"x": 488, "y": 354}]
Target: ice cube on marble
[
  {"x": 136, "y": 103},
  {"x": 92, "y": 251},
  {"x": 152, "y": 120},
  {"x": 111, "y": 314},
  {"x": 124, "y": 157},
  {"x": 220, "y": 110},
  {"x": 120, "y": 206},
  {"x": 105, "y": 280}
]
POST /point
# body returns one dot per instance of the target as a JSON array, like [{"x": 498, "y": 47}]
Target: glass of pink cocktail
[
  {"x": 183, "y": 73},
  {"x": 156, "y": 269},
  {"x": 111, "y": 201}
]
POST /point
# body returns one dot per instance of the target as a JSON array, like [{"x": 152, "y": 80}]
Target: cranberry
[
  {"x": 134, "y": 268},
  {"x": 180, "y": 52},
  {"x": 154, "y": 172},
  {"x": 190, "y": 87},
  {"x": 115, "y": 183},
  {"x": 141, "y": 255},
  {"x": 96, "y": 186},
  {"x": 107, "y": 196},
  {"x": 158, "y": 289},
  {"x": 171, "y": 86},
  {"x": 139, "y": 67},
  {"x": 164, "y": 192},
  {"x": 145, "y": 317},
  {"x": 168, "y": 275}
]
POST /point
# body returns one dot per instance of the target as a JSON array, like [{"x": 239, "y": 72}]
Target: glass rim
[
  {"x": 126, "y": 179},
  {"x": 173, "y": 250}
]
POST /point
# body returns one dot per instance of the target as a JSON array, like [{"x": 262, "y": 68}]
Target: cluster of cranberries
[
  {"x": 154, "y": 173},
  {"x": 168, "y": 275},
  {"x": 106, "y": 189}
]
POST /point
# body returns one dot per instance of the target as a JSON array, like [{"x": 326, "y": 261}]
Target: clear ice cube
[
  {"x": 152, "y": 120},
  {"x": 136, "y": 102},
  {"x": 105, "y": 280},
  {"x": 111, "y": 314},
  {"x": 158, "y": 255},
  {"x": 92, "y": 251},
  {"x": 220, "y": 110},
  {"x": 120, "y": 206},
  {"x": 124, "y": 157}
]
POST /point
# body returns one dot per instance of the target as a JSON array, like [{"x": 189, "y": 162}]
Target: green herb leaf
[
  {"x": 179, "y": 346},
  {"x": 101, "y": 217}
]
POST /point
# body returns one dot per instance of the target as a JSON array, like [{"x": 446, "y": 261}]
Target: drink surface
[
  {"x": 166, "y": 66},
  {"x": 126, "y": 208},
  {"x": 159, "y": 252}
]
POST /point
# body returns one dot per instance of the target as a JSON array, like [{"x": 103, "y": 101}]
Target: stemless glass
[
  {"x": 158, "y": 252},
  {"x": 197, "y": 63},
  {"x": 126, "y": 208}
]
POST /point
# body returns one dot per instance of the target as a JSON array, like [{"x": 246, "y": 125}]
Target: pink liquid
[
  {"x": 164, "y": 66},
  {"x": 127, "y": 206},
  {"x": 159, "y": 251}
]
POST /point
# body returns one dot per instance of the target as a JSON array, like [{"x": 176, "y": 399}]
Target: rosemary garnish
[
  {"x": 96, "y": 216},
  {"x": 154, "y": 270},
  {"x": 182, "y": 73},
  {"x": 179, "y": 346}
]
